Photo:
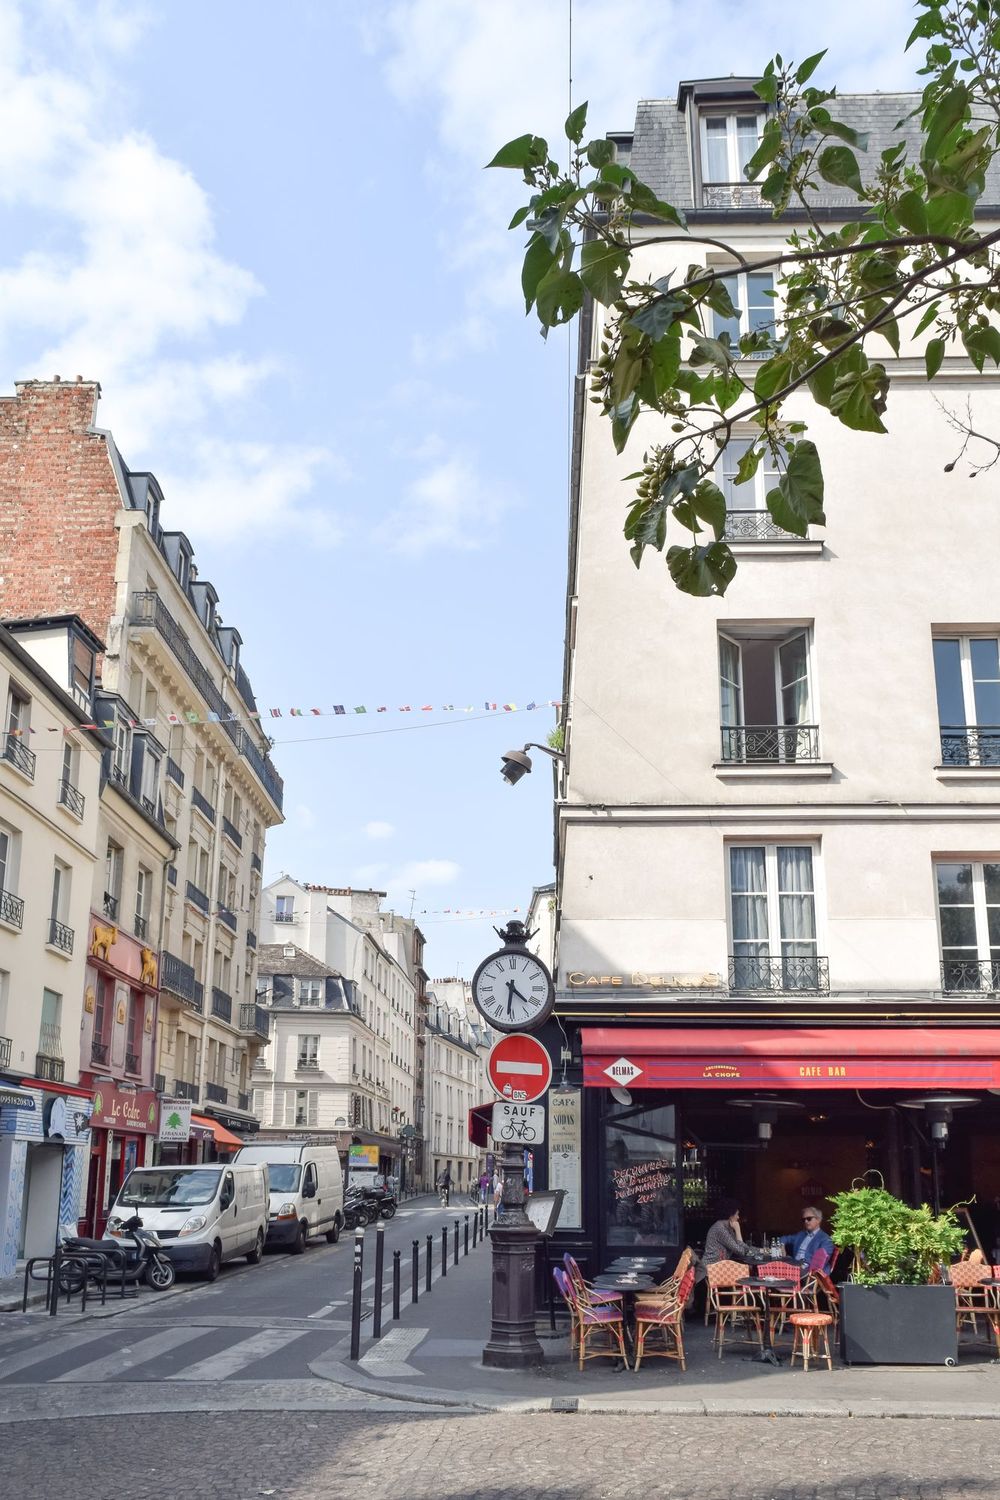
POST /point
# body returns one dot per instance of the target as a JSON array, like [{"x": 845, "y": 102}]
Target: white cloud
[
  {"x": 449, "y": 506},
  {"x": 304, "y": 816},
  {"x": 239, "y": 489},
  {"x": 379, "y": 830},
  {"x": 421, "y": 872}
]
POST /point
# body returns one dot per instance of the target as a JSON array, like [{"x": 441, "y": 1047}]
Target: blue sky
[{"x": 265, "y": 229}]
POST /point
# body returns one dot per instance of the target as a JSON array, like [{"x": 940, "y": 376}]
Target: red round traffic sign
[{"x": 519, "y": 1068}]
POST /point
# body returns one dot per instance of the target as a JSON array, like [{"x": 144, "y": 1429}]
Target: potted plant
[{"x": 890, "y": 1311}]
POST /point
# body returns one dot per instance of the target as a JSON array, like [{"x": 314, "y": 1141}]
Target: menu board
[{"x": 565, "y": 1165}]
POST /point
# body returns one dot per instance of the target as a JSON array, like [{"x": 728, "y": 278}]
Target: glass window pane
[
  {"x": 732, "y": 326},
  {"x": 750, "y": 919},
  {"x": 948, "y": 675},
  {"x": 760, "y": 306},
  {"x": 795, "y": 871},
  {"x": 747, "y": 139},
  {"x": 798, "y": 921},
  {"x": 954, "y": 882},
  {"x": 991, "y": 875},
  {"x": 986, "y": 681},
  {"x": 993, "y": 924},
  {"x": 738, "y": 496},
  {"x": 716, "y": 149},
  {"x": 641, "y": 1161},
  {"x": 746, "y": 868},
  {"x": 958, "y": 927}
]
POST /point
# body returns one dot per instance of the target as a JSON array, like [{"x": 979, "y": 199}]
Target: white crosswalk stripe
[
  {"x": 50, "y": 1349},
  {"x": 247, "y": 1352},
  {"x": 123, "y": 1360}
]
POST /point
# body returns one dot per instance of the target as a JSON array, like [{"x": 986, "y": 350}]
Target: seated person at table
[
  {"x": 724, "y": 1240},
  {"x": 812, "y": 1238}
]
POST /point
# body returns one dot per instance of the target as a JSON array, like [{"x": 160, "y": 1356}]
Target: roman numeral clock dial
[{"x": 513, "y": 990}]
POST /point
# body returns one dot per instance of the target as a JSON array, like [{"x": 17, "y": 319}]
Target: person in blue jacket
[{"x": 803, "y": 1247}]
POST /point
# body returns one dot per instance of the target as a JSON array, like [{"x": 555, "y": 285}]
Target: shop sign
[
  {"x": 124, "y": 1109},
  {"x": 622, "y": 1072},
  {"x": 521, "y": 1123},
  {"x": 363, "y": 1158},
  {"x": 14, "y": 1099},
  {"x": 639, "y": 980},
  {"x": 565, "y": 1153},
  {"x": 175, "y": 1120}
]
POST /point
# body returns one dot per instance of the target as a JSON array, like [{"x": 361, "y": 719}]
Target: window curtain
[{"x": 796, "y": 902}]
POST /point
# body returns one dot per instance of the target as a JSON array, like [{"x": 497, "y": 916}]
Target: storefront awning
[
  {"x": 790, "y": 1058},
  {"x": 220, "y": 1134},
  {"x": 480, "y": 1119}
]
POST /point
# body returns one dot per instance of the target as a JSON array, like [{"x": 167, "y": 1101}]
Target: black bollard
[
  {"x": 475, "y": 1228},
  {"x": 456, "y": 1242},
  {"x": 55, "y": 1269},
  {"x": 444, "y": 1250},
  {"x": 415, "y": 1273},
  {"x": 395, "y": 1285},
  {"x": 430, "y": 1257},
  {"x": 466, "y": 1236},
  {"x": 359, "y": 1241},
  {"x": 379, "y": 1258}
]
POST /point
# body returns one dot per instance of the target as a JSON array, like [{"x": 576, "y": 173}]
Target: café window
[{"x": 640, "y": 1156}]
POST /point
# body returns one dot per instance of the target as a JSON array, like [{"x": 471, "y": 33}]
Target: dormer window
[
  {"x": 183, "y": 570},
  {"x": 728, "y": 141}
]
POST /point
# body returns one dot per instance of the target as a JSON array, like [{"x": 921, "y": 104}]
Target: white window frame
[
  {"x": 18, "y": 709},
  {"x": 742, "y": 300},
  {"x": 149, "y": 780},
  {"x": 773, "y": 894},
  {"x": 732, "y": 143},
  {"x": 776, "y": 636},
  {"x": 10, "y": 849},
  {"x": 307, "y": 1050},
  {"x": 311, "y": 992},
  {"x": 755, "y": 490},
  {"x": 122, "y": 754},
  {"x": 980, "y": 907},
  {"x": 143, "y": 894}
]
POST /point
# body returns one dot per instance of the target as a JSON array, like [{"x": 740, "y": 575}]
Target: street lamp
[{"x": 517, "y": 763}]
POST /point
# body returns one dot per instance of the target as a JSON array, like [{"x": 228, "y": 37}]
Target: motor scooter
[
  {"x": 358, "y": 1212},
  {"x": 145, "y": 1260},
  {"x": 381, "y": 1202}
]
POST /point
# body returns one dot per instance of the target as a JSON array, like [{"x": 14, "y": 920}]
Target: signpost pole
[{"x": 513, "y": 1343}]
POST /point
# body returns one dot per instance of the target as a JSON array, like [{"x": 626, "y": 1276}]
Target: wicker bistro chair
[
  {"x": 811, "y": 1337},
  {"x": 592, "y": 1295},
  {"x": 819, "y": 1284},
  {"x": 666, "y": 1290},
  {"x": 591, "y": 1319},
  {"x": 667, "y": 1318},
  {"x": 971, "y": 1299},
  {"x": 783, "y": 1303},
  {"x": 733, "y": 1304}
]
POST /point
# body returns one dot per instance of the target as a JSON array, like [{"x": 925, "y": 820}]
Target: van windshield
[
  {"x": 169, "y": 1187},
  {"x": 283, "y": 1176}
]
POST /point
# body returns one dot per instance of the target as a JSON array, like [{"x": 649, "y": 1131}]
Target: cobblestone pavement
[{"x": 306, "y": 1456}]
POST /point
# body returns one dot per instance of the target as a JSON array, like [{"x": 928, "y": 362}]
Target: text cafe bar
[{"x": 660, "y": 1124}]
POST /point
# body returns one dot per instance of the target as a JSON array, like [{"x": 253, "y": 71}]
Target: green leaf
[
  {"x": 949, "y": 212},
  {"x": 797, "y": 503},
  {"x": 982, "y": 344},
  {"x": 603, "y": 268},
  {"x": 856, "y": 138},
  {"x": 519, "y": 217},
  {"x": 576, "y": 123},
  {"x": 702, "y": 571},
  {"x": 708, "y": 351},
  {"x": 558, "y": 298},
  {"x": 600, "y": 153},
  {"x": 929, "y": 25},
  {"x": 859, "y": 393},
  {"x": 911, "y": 211},
  {"x": 839, "y": 165},
  {"x": 527, "y": 151},
  {"x": 821, "y": 383},
  {"x": 929, "y": 314},
  {"x": 748, "y": 464},
  {"x": 658, "y": 315},
  {"x": 665, "y": 359},
  {"x": 728, "y": 390},
  {"x": 622, "y": 421},
  {"x": 709, "y": 503},
  {"x": 642, "y": 199},
  {"x": 767, "y": 89},
  {"x": 948, "y": 113},
  {"x": 538, "y": 260},
  {"x": 933, "y": 355},
  {"x": 805, "y": 70},
  {"x": 774, "y": 186},
  {"x": 771, "y": 376},
  {"x": 769, "y": 148}
]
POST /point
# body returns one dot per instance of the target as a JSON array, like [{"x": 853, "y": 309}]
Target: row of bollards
[{"x": 480, "y": 1225}]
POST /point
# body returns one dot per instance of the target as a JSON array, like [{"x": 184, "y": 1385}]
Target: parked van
[
  {"x": 307, "y": 1190},
  {"x": 203, "y": 1215}
]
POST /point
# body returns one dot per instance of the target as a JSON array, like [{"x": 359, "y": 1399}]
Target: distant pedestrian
[
  {"x": 444, "y": 1187},
  {"x": 484, "y": 1187}
]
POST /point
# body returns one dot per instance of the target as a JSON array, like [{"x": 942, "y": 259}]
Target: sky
[{"x": 267, "y": 232}]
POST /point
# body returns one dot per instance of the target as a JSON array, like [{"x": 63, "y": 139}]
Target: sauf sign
[{"x": 523, "y": 1124}]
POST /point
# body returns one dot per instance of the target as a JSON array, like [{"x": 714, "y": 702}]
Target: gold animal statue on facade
[
  {"x": 148, "y": 975},
  {"x": 104, "y": 939}
]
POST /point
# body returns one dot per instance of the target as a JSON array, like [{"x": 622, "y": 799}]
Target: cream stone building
[{"x": 457, "y": 1046}]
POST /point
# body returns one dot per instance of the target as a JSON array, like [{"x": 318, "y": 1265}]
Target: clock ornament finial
[{"x": 514, "y": 935}]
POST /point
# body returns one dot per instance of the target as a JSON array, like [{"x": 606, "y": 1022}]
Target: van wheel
[
  {"x": 214, "y": 1263},
  {"x": 333, "y": 1235},
  {"x": 298, "y": 1245},
  {"x": 256, "y": 1255}
]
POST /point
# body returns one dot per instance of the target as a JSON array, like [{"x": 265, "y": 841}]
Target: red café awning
[
  {"x": 797, "y": 1057},
  {"x": 480, "y": 1116}
]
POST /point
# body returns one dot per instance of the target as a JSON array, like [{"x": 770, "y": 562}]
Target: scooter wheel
[
  {"x": 160, "y": 1275},
  {"x": 387, "y": 1210}
]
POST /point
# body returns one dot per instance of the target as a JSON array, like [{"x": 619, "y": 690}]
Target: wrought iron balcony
[
  {"x": 110, "y": 906},
  {"x": 52, "y": 1069},
  {"x": 201, "y": 802},
  {"x": 149, "y": 610},
  {"x": 185, "y": 1090},
  {"x": 199, "y": 996},
  {"x": 255, "y": 863},
  {"x": 99, "y": 1053},
  {"x": 5, "y": 1047},
  {"x": 970, "y": 745},
  {"x": 132, "y": 1062},
  {"x": 222, "y": 1004},
  {"x": 171, "y": 874},
  {"x": 16, "y": 752},
  {"x": 197, "y": 897},
  {"x": 243, "y": 1102},
  {"x": 232, "y": 832},
  {"x": 255, "y": 1020},
  {"x": 60, "y": 936},
  {"x": 178, "y": 977},
  {"x": 141, "y": 927},
  {"x": 960, "y": 975},
  {"x": 227, "y": 917},
  {"x": 781, "y": 744},
  {"x": 11, "y": 908},
  {"x": 251, "y": 939},
  {"x": 284, "y": 916},
  {"x": 174, "y": 771},
  {"x": 216, "y": 1094},
  {"x": 160, "y": 1082},
  {"x": 752, "y": 973},
  {"x": 71, "y": 797},
  {"x": 754, "y": 526},
  {"x": 731, "y": 195}
]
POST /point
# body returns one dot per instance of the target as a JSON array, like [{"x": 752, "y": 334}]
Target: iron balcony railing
[
  {"x": 5, "y": 1046},
  {"x": 232, "y": 832},
  {"x": 284, "y": 916},
  {"x": 751, "y": 973},
  {"x": 227, "y": 917},
  {"x": 184, "y": 1090},
  {"x": 199, "y": 996},
  {"x": 743, "y": 744},
  {"x": 255, "y": 1020},
  {"x": 201, "y": 802},
  {"x": 141, "y": 927},
  {"x": 148, "y": 609},
  {"x": 197, "y": 897},
  {"x": 111, "y": 906},
  {"x": 60, "y": 936},
  {"x": 52, "y": 1069},
  {"x": 216, "y": 1094},
  {"x": 11, "y": 908},
  {"x": 131, "y": 1062},
  {"x": 71, "y": 797},
  {"x": 178, "y": 977},
  {"x": 99, "y": 1053},
  {"x": 251, "y": 939},
  {"x": 160, "y": 1082},
  {"x": 968, "y": 745},
  {"x": 959, "y": 975},
  {"x": 731, "y": 195},
  {"x": 255, "y": 863},
  {"x": 222, "y": 1004},
  {"x": 755, "y": 526},
  {"x": 243, "y": 1101},
  {"x": 17, "y": 753},
  {"x": 174, "y": 771}
]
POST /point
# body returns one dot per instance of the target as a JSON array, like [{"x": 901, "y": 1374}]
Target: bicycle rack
[{"x": 98, "y": 1274}]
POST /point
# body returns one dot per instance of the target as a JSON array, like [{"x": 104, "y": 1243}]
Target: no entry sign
[{"x": 519, "y": 1068}]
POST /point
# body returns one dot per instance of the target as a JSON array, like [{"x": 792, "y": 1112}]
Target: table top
[
  {"x": 635, "y": 1261},
  {"x": 988, "y": 1281},
  {"x": 621, "y": 1283},
  {"x": 769, "y": 1283}
]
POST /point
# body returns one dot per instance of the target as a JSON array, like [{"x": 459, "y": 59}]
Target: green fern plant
[{"x": 893, "y": 1244}]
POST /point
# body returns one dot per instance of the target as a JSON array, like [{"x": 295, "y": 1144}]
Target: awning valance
[
  {"x": 480, "y": 1118},
  {"x": 790, "y": 1058},
  {"x": 220, "y": 1134}
]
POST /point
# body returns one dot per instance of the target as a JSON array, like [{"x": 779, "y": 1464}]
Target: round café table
[{"x": 768, "y": 1286}]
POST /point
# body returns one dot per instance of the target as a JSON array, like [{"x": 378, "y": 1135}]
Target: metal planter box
[{"x": 898, "y": 1325}]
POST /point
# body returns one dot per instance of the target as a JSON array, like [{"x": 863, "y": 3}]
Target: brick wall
[{"x": 58, "y": 502}]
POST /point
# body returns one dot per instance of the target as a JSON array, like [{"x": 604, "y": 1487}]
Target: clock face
[{"x": 513, "y": 990}]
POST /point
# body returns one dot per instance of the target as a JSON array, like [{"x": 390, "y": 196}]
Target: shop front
[
  {"x": 652, "y": 1126},
  {"x": 124, "y": 1126},
  {"x": 44, "y": 1148}
]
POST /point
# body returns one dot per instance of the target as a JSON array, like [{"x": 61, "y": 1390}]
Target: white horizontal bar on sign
[{"x": 524, "y": 1068}]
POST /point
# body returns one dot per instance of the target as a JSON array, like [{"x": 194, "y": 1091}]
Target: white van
[
  {"x": 307, "y": 1190},
  {"x": 203, "y": 1215}
]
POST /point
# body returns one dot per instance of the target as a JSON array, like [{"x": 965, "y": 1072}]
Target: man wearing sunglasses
[{"x": 811, "y": 1241}]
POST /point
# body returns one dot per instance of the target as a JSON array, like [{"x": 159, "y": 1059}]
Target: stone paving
[{"x": 309, "y": 1456}]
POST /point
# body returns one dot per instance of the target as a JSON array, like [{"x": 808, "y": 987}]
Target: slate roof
[{"x": 271, "y": 959}]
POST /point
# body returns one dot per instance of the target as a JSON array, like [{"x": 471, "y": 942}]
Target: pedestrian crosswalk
[{"x": 151, "y": 1352}]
